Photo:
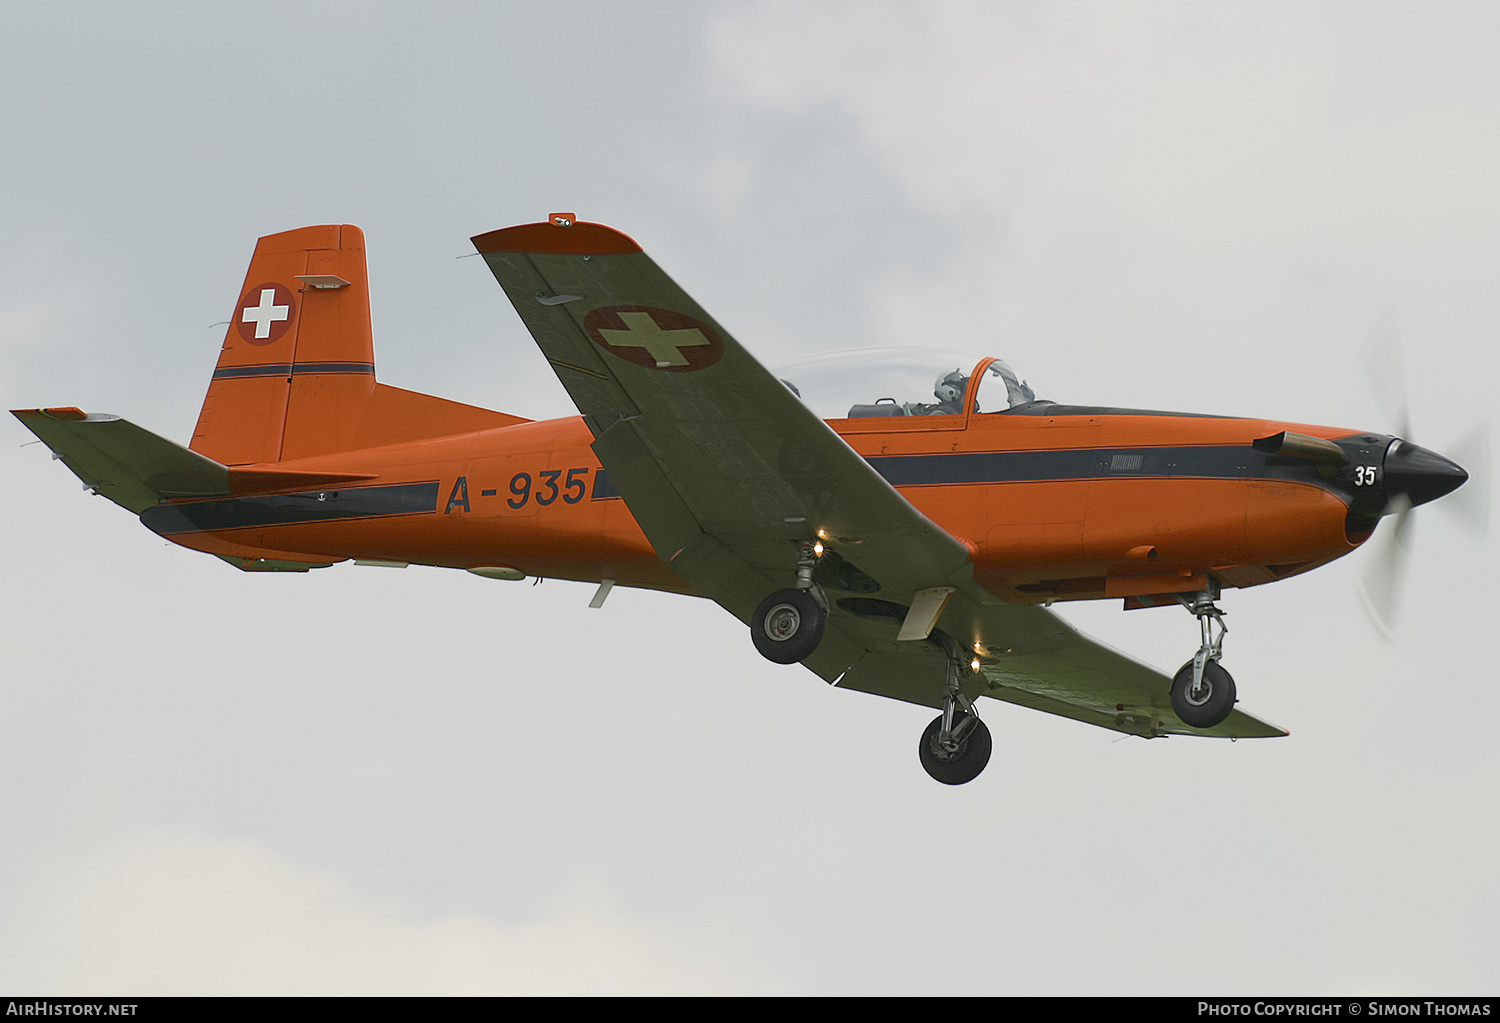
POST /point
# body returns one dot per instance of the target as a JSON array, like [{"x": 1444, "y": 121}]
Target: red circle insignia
[
  {"x": 655, "y": 338},
  {"x": 265, "y": 313}
]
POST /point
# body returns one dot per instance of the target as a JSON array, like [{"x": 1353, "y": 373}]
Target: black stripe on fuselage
[
  {"x": 980, "y": 467},
  {"x": 287, "y": 369},
  {"x": 1203, "y": 462},
  {"x": 288, "y": 509}
]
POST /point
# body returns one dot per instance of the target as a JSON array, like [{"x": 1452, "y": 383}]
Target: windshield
[{"x": 870, "y": 382}]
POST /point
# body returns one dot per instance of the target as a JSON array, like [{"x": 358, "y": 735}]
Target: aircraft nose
[{"x": 1420, "y": 475}]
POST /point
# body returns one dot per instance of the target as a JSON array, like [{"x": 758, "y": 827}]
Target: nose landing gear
[{"x": 1202, "y": 691}]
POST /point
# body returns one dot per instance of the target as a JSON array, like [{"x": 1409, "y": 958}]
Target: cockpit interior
[{"x": 872, "y": 382}]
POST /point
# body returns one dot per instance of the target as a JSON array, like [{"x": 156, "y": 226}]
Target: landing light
[
  {"x": 974, "y": 665},
  {"x": 818, "y": 549}
]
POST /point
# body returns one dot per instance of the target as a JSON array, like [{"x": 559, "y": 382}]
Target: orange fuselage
[{"x": 1055, "y": 504}]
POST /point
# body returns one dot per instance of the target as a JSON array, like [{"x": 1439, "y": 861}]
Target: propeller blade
[
  {"x": 1470, "y": 504},
  {"x": 1380, "y": 585},
  {"x": 1414, "y": 475}
]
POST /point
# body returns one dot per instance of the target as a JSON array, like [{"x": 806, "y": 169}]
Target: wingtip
[
  {"x": 66, "y": 413},
  {"x": 560, "y": 234}
]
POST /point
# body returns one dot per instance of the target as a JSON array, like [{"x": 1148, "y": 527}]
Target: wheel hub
[
  {"x": 782, "y": 622},
  {"x": 1201, "y": 693}
]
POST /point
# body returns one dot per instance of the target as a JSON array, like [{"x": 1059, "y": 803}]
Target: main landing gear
[
  {"x": 1202, "y": 691},
  {"x": 956, "y": 746},
  {"x": 788, "y": 625}
]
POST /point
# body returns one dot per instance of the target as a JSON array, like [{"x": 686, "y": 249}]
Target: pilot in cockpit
[{"x": 949, "y": 391}]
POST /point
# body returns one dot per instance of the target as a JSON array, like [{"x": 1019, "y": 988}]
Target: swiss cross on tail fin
[{"x": 265, "y": 314}]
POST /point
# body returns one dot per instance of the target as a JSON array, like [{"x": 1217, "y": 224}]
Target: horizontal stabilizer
[
  {"x": 138, "y": 470},
  {"x": 131, "y": 466}
]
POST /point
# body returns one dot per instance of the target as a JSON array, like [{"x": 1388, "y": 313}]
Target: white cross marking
[
  {"x": 266, "y": 313},
  {"x": 665, "y": 346}
]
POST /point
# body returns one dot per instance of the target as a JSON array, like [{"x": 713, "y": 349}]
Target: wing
[
  {"x": 726, "y": 471},
  {"x": 1034, "y": 659}
]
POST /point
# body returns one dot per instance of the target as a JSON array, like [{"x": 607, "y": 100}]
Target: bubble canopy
[{"x": 872, "y": 382}]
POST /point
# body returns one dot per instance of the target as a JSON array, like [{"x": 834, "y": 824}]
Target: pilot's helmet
[{"x": 950, "y": 388}]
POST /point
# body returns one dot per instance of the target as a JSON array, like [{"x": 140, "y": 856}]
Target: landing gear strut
[
  {"x": 788, "y": 625},
  {"x": 956, "y": 746},
  {"x": 1202, "y": 691}
]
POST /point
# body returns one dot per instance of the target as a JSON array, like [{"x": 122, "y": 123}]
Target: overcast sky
[{"x": 372, "y": 781}]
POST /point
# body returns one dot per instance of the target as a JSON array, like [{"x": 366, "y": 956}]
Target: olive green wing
[
  {"x": 723, "y": 467},
  {"x": 727, "y": 473}
]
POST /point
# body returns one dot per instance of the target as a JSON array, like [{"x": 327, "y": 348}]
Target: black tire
[
  {"x": 788, "y": 625},
  {"x": 960, "y": 767},
  {"x": 1210, "y": 707}
]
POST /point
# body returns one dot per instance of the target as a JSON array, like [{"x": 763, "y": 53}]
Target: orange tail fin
[{"x": 296, "y": 375}]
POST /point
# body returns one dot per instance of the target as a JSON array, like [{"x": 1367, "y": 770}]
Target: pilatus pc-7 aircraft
[{"x": 896, "y": 520}]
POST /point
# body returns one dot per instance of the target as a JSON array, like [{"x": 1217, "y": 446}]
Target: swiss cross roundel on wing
[
  {"x": 655, "y": 338},
  {"x": 265, "y": 313}
]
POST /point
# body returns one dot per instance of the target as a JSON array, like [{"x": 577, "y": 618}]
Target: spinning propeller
[{"x": 1411, "y": 476}]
